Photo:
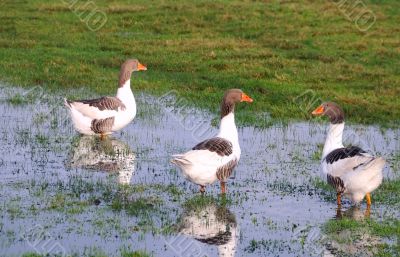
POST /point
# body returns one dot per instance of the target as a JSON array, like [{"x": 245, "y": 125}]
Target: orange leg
[
  {"x": 368, "y": 197},
  {"x": 339, "y": 213},
  {"x": 368, "y": 211},
  {"x": 223, "y": 187},
  {"x": 202, "y": 189},
  {"x": 339, "y": 199}
]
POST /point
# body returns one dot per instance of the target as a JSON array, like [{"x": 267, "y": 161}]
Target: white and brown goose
[
  {"x": 350, "y": 170},
  {"x": 107, "y": 114},
  {"x": 214, "y": 159}
]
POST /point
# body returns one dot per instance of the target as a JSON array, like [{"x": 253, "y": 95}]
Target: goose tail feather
[
  {"x": 67, "y": 103},
  {"x": 179, "y": 160}
]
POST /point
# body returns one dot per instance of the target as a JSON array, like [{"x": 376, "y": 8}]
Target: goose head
[
  {"x": 127, "y": 68},
  {"x": 331, "y": 110},
  {"x": 231, "y": 97}
]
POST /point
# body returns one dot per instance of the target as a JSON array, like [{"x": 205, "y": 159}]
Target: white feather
[
  {"x": 200, "y": 166},
  {"x": 81, "y": 123}
]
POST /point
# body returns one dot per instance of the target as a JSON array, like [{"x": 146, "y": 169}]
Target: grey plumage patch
[
  {"x": 224, "y": 172},
  {"x": 105, "y": 103},
  {"x": 229, "y": 100},
  {"x": 126, "y": 71},
  {"x": 226, "y": 108},
  {"x": 217, "y": 144},
  {"x": 342, "y": 153},
  {"x": 101, "y": 126},
  {"x": 334, "y": 112},
  {"x": 336, "y": 182}
]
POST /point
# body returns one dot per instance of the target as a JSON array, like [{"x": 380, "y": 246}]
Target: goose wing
[
  {"x": 219, "y": 145},
  {"x": 99, "y": 108},
  {"x": 342, "y": 161},
  {"x": 214, "y": 152}
]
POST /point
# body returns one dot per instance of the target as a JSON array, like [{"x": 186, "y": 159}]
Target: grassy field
[{"x": 279, "y": 52}]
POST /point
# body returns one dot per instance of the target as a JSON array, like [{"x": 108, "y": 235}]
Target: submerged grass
[
  {"x": 283, "y": 54},
  {"x": 198, "y": 202},
  {"x": 135, "y": 207},
  {"x": 32, "y": 255},
  {"x": 143, "y": 204},
  {"x": 126, "y": 253},
  {"x": 95, "y": 253}
]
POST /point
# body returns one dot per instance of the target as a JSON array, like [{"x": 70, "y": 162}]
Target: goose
[
  {"x": 215, "y": 158},
  {"x": 108, "y": 114},
  {"x": 212, "y": 225},
  {"x": 353, "y": 172}
]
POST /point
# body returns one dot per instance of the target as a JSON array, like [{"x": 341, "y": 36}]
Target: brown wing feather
[
  {"x": 217, "y": 144},
  {"x": 101, "y": 126},
  {"x": 224, "y": 172},
  {"x": 105, "y": 103},
  {"x": 337, "y": 183}
]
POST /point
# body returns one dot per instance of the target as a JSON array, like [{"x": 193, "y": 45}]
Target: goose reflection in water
[
  {"x": 213, "y": 225},
  {"x": 354, "y": 212},
  {"x": 109, "y": 155}
]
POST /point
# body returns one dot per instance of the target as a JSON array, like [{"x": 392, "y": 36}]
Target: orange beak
[
  {"x": 319, "y": 111},
  {"x": 246, "y": 98},
  {"x": 141, "y": 67}
]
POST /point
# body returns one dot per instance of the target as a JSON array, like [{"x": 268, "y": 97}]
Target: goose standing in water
[
  {"x": 107, "y": 114},
  {"x": 350, "y": 170},
  {"x": 214, "y": 159}
]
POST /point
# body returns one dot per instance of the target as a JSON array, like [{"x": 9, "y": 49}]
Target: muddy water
[{"x": 54, "y": 184}]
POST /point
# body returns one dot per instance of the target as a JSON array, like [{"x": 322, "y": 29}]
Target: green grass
[
  {"x": 275, "y": 51},
  {"x": 198, "y": 202},
  {"x": 32, "y": 255},
  {"x": 386, "y": 193},
  {"x": 61, "y": 202},
  {"x": 385, "y": 229},
  {"x": 389, "y": 229},
  {"x": 135, "y": 254},
  {"x": 16, "y": 100},
  {"x": 140, "y": 206}
]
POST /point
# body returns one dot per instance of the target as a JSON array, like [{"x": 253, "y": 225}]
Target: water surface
[{"x": 61, "y": 192}]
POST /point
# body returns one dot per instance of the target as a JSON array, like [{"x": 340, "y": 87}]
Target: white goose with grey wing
[
  {"x": 215, "y": 158},
  {"x": 107, "y": 114},
  {"x": 352, "y": 171}
]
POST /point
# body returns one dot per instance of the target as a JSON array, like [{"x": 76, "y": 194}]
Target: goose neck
[
  {"x": 334, "y": 138},
  {"x": 228, "y": 128}
]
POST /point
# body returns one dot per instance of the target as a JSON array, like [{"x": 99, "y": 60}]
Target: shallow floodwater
[{"x": 61, "y": 193}]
